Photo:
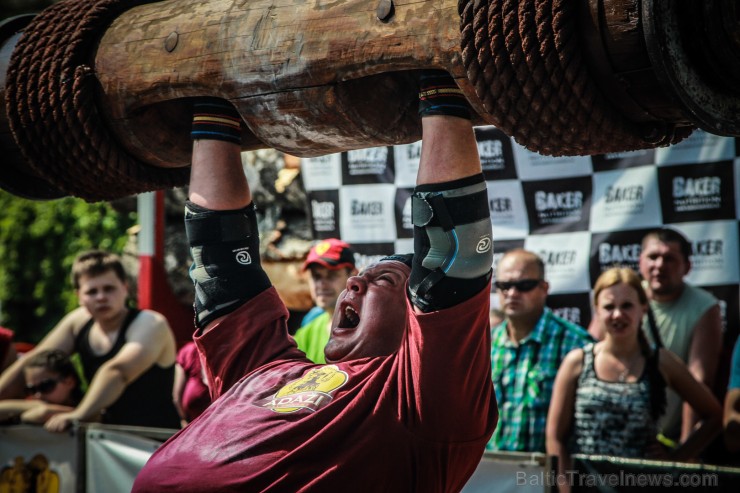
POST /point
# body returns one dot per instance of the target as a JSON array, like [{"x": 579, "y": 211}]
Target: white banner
[{"x": 114, "y": 458}]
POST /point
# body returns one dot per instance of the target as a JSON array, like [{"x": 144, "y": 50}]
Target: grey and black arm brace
[
  {"x": 226, "y": 267},
  {"x": 452, "y": 242}
]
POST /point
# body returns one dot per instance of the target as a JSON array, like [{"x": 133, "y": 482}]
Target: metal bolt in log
[
  {"x": 105, "y": 85},
  {"x": 170, "y": 42}
]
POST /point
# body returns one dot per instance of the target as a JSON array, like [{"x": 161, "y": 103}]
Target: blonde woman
[{"x": 607, "y": 396}]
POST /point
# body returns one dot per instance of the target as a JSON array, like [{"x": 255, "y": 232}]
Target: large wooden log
[
  {"x": 307, "y": 78},
  {"x": 310, "y": 78}
]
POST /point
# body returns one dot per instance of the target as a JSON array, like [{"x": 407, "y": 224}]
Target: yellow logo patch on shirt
[{"x": 312, "y": 391}]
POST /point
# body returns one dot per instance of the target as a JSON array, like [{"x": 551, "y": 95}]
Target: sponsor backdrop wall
[{"x": 581, "y": 214}]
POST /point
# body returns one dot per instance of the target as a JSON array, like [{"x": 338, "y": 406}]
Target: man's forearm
[
  {"x": 15, "y": 407},
  {"x": 440, "y": 162},
  {"x": 452, "y": 223},
  {"x": 217, "y": 179},
  {"x": 703, "y": 371},
  {"x": 106, "y": 387}
]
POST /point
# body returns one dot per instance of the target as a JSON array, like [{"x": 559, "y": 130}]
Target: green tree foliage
[{"x": 38, "y": 243}]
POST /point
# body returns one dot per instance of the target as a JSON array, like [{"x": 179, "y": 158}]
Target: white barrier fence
[
  {"x": 509, "y": 472},
  {"x": 106, "y": 459},
  {"x": 92, "y": 458}
]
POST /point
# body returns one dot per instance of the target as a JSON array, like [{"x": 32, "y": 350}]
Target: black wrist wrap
[
  {"x": 216, "y": 119},
  {"x": 439, "y": 95}
]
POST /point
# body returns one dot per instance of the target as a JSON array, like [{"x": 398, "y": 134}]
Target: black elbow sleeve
[
  {"x": 453, "y": 248},
  {"x": 226, "y": 269}
]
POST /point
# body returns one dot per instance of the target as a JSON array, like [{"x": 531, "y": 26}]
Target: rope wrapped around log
[
  {"x": 525, "y": 61},
  {"x": 524, "y": 58},
  {"x": 52, "y": 109}
]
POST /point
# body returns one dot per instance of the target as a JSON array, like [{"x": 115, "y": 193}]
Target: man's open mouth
[{"x": 349, "y": 319}]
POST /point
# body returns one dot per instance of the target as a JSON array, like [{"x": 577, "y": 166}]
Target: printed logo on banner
[
  {"x": 617, "y": 249},
  {"x": 573, "y": 307},
  {"x": 556, "y": 206},
  {"x": 367, "y": 213},
  {"x": 404, "y": 224},
  {"x": 625, "y": 199},
  {"x": 695, "y": 193},
  {"x": 374, "y": 165},
  {"x": 406, "y": 158},
  {"x": 324, "y": 213},
  {"x": 714, "y": 245},
  {"x": 566, "y": 260},
  {"x": 533, "y": 166},
  {"x": 699, "y": 147},
  {"x": 623, "y": 160},
  {"x": 322, "y": 173},
  {"x": 369, "y": 253},
  {"x": 496, "y": 154},
  {"x": 508, "y": 209}
]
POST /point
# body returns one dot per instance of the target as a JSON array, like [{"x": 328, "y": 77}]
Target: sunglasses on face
[
  {"x": 43, "y": 387},
  {"x": 523, "y": 285}
]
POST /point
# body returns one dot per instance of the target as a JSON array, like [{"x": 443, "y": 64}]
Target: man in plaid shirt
[{"x": 526, "y": 351}]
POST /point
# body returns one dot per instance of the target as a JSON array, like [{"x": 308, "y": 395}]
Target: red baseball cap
[{"x": 331, "y": 253}]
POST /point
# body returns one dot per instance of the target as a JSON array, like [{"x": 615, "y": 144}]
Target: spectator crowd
[{"x": 653, "y": 338}]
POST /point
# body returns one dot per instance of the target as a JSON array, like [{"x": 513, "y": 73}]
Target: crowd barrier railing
[{"x": 94, "y": 458}]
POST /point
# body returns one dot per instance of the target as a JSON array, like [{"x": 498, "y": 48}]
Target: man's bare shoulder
[
  {"x": 150, "y": 316},
  {"x": 149, "y": 326},
  {"x": 75, "y": 320}
]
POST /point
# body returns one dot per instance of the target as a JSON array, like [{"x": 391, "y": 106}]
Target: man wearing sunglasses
[{"x": 526, "y": 351}]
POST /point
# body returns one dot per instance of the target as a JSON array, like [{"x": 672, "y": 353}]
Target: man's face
[
  {"x": 326, "y": 284},
  {"x": 663, "y": 266},
  {"x": 514, "y": 302},
  {"x": 104, "y": 296},
  {"x": 370, "y": 316}
]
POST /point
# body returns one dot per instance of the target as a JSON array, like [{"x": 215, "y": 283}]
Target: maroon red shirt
[
  {"x": 195, "y": 395},
  {"x": 417, "y": 420}
]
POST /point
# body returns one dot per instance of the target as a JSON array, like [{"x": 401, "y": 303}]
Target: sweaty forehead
[{"x": 392, "y": 266}]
